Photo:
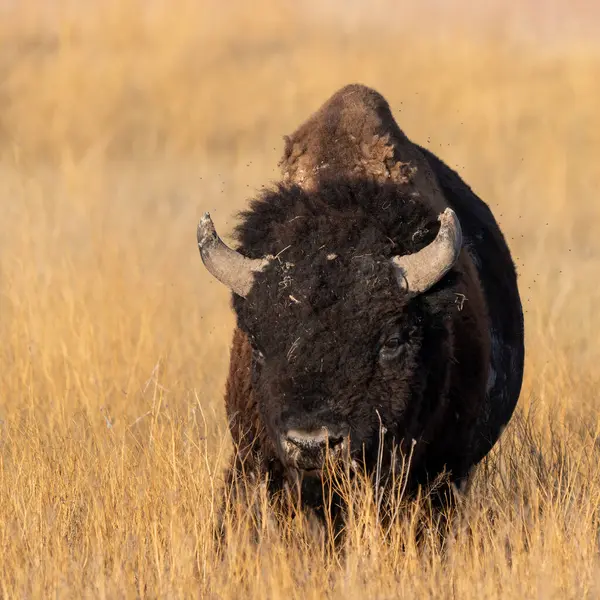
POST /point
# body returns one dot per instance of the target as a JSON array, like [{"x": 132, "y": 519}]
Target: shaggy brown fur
[{"x": 357, "y": 189}]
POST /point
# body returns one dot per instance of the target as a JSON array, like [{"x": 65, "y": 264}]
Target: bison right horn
[
  {"x": 417, "y": 272},
  {"x": 228, "y": 266}
]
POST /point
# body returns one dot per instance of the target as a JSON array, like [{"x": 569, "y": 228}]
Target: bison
[{"x": 374, "y": 291}]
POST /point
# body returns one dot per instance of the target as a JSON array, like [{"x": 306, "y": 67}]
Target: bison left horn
[
  {"x": 418, "y": 272},
  {"x": 228, "y": 266}
]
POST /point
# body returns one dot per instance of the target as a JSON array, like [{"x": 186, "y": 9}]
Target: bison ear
[
  {"x": 228, "y": 266},
  {"x": 442, "y": 299},
  {"x": 418, "y": 272}
]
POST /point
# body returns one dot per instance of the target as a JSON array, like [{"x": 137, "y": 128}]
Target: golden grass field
[{"x": 119, "y": 127}]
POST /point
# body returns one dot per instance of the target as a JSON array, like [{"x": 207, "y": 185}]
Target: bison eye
[
  {"x": 391, "y": 348},
  {"x": 257, "y": 362},
  {"x": 257, "y": 355}
]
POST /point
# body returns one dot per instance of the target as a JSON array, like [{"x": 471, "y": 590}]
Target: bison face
[
  {"x": 340, "y": 292},
  {"x": 338, "y": 350}
]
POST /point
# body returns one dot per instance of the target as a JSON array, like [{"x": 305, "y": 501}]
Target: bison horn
[
  {"x": 418, "y": 272},
  {"x": 223, "y": 263}
]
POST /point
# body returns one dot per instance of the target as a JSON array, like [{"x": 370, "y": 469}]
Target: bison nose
[
  {"x": 315, "y": 439},
  {"x": 306, "y": 449}
]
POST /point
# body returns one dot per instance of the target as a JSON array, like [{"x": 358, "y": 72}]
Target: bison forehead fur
[{"x": 329, "y": 346}]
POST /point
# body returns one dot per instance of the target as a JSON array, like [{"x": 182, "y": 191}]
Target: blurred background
[{"x": 122, "y": 121}]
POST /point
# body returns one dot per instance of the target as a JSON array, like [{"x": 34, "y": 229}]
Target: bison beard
[{"x": 358, "y": 309}]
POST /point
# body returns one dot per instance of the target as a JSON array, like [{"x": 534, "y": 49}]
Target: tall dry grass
[{"x": 120, "y": 123}]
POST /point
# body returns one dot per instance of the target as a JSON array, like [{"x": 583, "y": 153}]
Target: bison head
[{"x": 339, "y": 291}]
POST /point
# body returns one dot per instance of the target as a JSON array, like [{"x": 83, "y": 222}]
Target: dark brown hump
[{"x": 354, "y": 134}]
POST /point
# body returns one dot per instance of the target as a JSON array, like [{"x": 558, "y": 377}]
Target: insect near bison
[{"x": 373, "y": 289}]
